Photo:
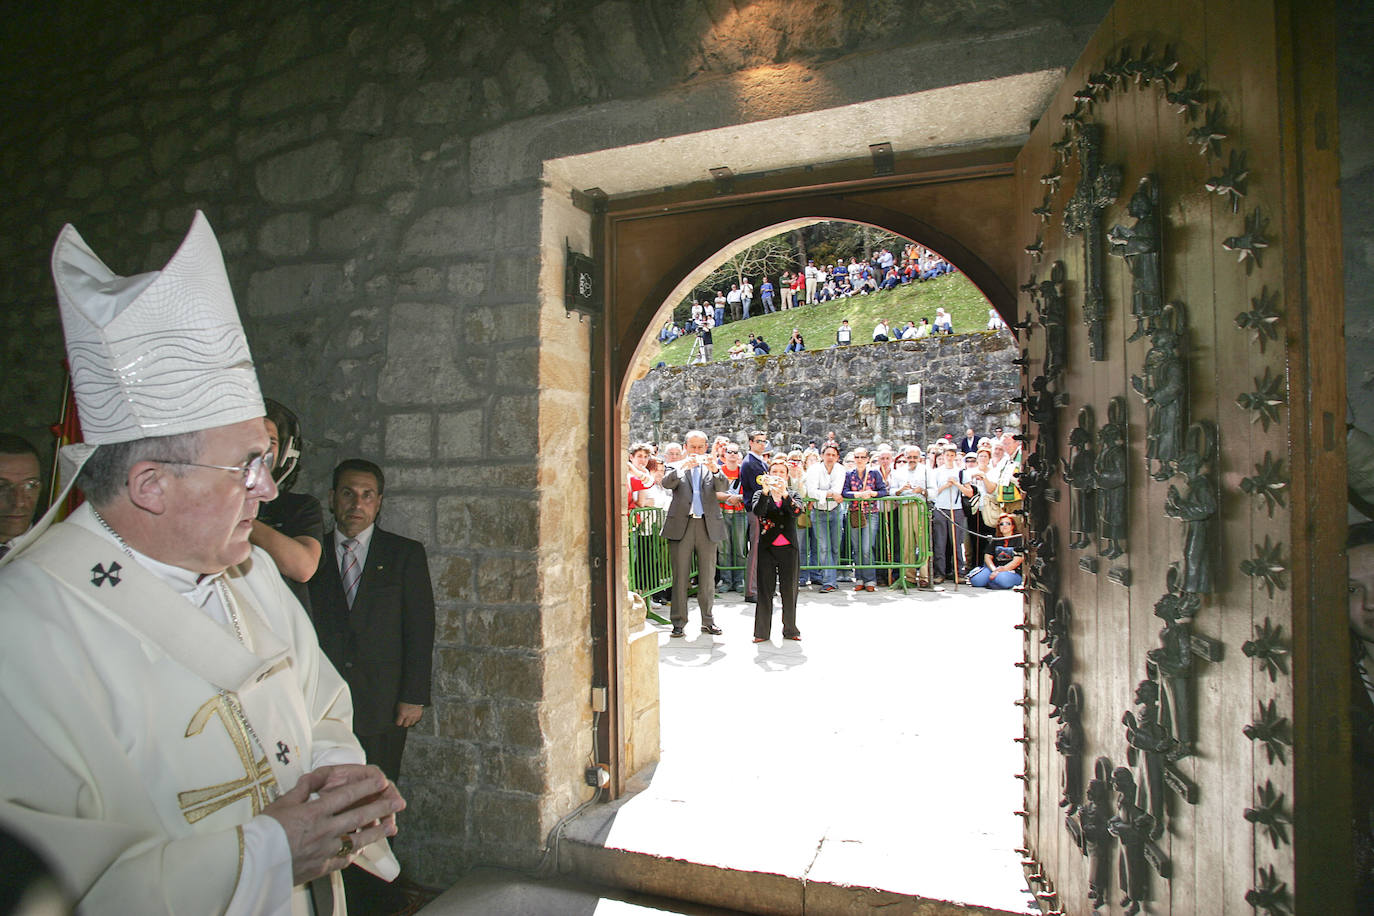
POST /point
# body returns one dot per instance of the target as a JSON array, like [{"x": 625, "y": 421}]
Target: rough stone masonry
[{"x": 967, "y": 380}]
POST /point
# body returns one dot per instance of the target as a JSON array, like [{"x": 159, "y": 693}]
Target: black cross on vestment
[{"x": 100, "y": 575}]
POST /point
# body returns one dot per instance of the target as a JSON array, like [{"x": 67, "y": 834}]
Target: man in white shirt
[
  {"x": 813, "y": 277},
  {"x": 732, "y": 299},
  {"x": 909, "y": 480},
  {"x": 824, "y": 483},
  {"x": 880, "y": 331},
  {"x": 944, "y": 324},
  {"x": 843, "y": 336},
  {"x": 909, "y": 475}
]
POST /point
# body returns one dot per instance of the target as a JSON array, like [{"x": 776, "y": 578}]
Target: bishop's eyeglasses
[{"x": 254, "y": 472}]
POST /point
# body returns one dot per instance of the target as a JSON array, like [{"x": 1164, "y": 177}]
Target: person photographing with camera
[{"x": 777, "y": 513}]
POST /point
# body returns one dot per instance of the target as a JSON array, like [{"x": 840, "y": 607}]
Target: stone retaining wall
[{"x": 967, "y": 380}]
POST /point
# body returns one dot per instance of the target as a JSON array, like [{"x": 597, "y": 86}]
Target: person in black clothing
[
  {"x": 760, "y": 346},
  {"x": 704, "y": 335},
  {"x": 291, "y": 527},
  {"x": 777, "y": 553},
  {"x": 1005, "y": 555}
]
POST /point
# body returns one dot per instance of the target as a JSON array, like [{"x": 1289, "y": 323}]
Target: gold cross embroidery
[{"x": 257, "y": 783}]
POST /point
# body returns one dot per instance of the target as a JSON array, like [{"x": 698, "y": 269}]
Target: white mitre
[{"x": 155, "y": 354}]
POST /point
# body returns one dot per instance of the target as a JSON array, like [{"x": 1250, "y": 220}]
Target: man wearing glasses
[
  {"x": 20, "y": 485},
  {"x": 174, "y": 737}
]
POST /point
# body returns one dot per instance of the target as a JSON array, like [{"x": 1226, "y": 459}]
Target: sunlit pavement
[{"x": 877, "y": 752}]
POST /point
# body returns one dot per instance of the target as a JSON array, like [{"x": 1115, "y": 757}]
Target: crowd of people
[
  {"x": 811, "y": 284},
  {"x": 720, "y": 497}
]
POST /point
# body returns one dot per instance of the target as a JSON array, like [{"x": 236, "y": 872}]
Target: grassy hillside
[{"x": 955, "y": 293}]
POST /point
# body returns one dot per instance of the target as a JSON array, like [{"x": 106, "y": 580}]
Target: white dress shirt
[
  {"x": 907, "y": 475},
  {"x": 364, "y": 539},
  {"x": 820, "y": 483}
]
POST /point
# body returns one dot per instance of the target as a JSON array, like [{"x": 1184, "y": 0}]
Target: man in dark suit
[
  {"x": 694, "y": 525},
  {"x": 969, "y": 444},
  {"x": 373, "y": 608},
  {"x": 754, "y": 464}
]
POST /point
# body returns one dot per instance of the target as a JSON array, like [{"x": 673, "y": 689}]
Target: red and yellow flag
[{"x": 66, "y": 431}]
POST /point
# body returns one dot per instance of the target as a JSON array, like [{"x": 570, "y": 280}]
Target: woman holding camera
[{"x": 777, "y": 558}]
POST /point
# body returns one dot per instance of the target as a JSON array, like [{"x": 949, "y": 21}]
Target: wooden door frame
[{"x": 845, "y": 192}]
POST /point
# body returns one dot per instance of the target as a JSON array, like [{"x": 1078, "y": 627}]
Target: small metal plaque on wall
[
  {"x": 581, "y": 292},
  {"x": 882, "y": 394}
]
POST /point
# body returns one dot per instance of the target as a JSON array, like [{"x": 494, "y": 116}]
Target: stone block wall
[{"x": 967, "y": 380}]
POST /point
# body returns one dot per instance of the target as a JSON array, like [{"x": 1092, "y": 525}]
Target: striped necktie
[{"x": 352, "y": 571}]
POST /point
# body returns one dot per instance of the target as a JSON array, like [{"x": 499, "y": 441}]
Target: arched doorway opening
[
  {"x": 707, "y": 655},
  {"x": 651, "y": 246}
]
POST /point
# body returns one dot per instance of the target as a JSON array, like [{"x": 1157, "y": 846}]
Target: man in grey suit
[{"x": 694, "y": 526}]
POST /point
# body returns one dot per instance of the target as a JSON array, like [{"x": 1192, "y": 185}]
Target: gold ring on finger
[{"x": 345, "y": 847}]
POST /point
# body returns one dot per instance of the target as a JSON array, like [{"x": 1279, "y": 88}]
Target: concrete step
[
  {"x": 584, "y": 855},
  {"x": 493, "y": 892}
]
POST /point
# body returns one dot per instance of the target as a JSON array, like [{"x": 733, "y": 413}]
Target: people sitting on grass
[
  {"x": 796, "y": 344},
  {"x": 739, "y": 350}
]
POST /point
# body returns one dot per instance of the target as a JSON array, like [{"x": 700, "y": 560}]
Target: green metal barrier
[
  {"x": 650, "y": 569},
  {"x": 902, "y": 541}
]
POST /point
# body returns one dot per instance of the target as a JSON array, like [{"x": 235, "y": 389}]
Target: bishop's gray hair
[{"x": 106, "y": 473}]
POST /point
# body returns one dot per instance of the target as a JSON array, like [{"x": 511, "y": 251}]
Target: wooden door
[{"x": 1186, "y": 654}]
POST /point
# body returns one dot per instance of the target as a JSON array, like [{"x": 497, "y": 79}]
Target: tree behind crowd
[{"x": 825, "y": 243}]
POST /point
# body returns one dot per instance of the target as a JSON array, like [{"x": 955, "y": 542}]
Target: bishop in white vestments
[{"x": 172, "y": 739}]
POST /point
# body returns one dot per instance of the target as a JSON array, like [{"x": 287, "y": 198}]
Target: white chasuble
[{"x": 139, "y": 735}]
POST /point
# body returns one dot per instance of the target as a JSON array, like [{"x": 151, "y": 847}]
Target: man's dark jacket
[{"x": 384, "y": 646}]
